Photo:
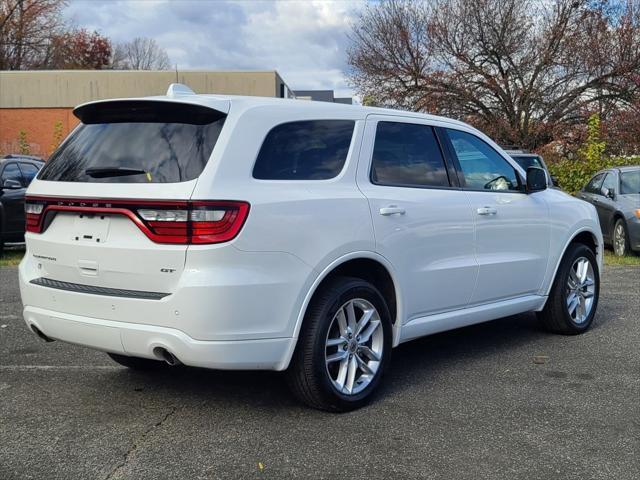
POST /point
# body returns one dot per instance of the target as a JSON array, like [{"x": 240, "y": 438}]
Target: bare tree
[
  {"x": 140, "y": 54},
  {"x": 521, "y": 69},
  {"x": 26, "y": 31}
]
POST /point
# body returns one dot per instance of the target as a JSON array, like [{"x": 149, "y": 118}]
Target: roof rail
[{"x": 177, "y": 89}]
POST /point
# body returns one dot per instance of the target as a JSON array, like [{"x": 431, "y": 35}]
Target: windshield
[
  {"x": 527, "y": 161},
  {"x": 136, "y": 142},
  {"x": 630, "y": 182}
]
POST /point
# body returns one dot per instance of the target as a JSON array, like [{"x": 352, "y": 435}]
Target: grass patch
[
  {"x": 627, "y": 260},
  {"x": 11, "y": 256}
]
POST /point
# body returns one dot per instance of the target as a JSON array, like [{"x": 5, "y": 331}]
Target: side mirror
[
  {"x": 609, "y": 193},
  {"x": 10, "y": 184},
  {"x": 536, "y": 179}
]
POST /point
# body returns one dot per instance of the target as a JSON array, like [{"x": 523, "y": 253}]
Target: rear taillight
[
  {"x": 180, "y": 222},
  {"x": 33, "y": 213}
]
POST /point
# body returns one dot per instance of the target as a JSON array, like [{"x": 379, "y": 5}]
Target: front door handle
[
  {"x": 392, "y": 210},
  {"x": 487, "y": 211}
]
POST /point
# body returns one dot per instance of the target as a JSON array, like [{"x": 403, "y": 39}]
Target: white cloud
[{"x": 305, "y": 41}]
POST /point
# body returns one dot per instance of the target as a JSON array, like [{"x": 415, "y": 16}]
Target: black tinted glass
[
  {"x": 406, "y": 154},
  {"x": 482, "y": 167},
  {"x": 630, "y": 182},
  {"x": 28, "y": 172},
  {"x": 12, "y": 172},
  {"x": 594, "y": 185},
  {"x": 526, "y": 162},
  {"x": 136, "y": 142},
  {"x": 305, "y": 150}
]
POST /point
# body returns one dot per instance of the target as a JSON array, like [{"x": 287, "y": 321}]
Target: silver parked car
[
  {"x": 526, "y": 159},
  {"x": 616, "y": 195}
]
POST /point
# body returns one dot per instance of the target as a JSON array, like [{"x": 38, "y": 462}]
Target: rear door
[
  {"x": 512, "y": 228},
  {"x": 12, "y": 200},
  {"x": 422, "y": 221},
  {"x": 110, "y": 206}
]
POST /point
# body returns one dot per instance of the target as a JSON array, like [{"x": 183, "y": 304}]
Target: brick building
[{"x": 40, "y": 103}]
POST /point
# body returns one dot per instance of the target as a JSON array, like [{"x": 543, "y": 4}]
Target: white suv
[{"x": 253, "y": 233}]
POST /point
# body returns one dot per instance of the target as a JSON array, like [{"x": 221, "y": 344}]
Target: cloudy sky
[{"x": 305, "y": 41}]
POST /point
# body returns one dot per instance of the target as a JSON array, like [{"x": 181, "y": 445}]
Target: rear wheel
[
  {"x": 620, "y": 238},
  {"x": 573, "y": 299},
  {"x": 137, "y": 363},
  {"x": 343, "y": 348}
]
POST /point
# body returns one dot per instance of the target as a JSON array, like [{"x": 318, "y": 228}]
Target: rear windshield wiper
[{"x": 104, "y": 172}]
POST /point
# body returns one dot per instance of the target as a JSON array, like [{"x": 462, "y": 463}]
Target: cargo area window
[
  {"x": 136, "y": 142},
  {"x": 304, "y": 150}
]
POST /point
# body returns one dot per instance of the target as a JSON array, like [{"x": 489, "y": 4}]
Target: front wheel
[
  {"x": 620, "y": 238},
  {"x": 573, "y": 299},
  {"x": 343, "y": 348}
]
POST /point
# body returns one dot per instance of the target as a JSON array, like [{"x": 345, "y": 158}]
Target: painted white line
[{"x": 58, "y": 367}]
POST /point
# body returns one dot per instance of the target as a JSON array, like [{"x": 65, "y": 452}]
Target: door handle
[
  {"x": 392, "y": 210},
  {"x": 487, "y": 211}
]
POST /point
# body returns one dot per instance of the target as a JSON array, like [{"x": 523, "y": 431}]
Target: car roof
[
  {"x": 182, "y": 94},
  {"x": 22, "y": 158},
  {"x": 628, "y": 168}
]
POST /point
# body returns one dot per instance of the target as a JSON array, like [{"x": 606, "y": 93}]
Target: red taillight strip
[{"x": 188, "y": 232}]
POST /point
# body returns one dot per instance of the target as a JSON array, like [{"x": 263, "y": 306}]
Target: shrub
[
  {"x": 23, "y": 144},
  {"x": 572, "y": 175},
  {"x": 57, "y": 135}
]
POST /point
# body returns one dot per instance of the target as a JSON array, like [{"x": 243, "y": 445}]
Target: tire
[
  {"x": 620, "y": 240},
  {"x": 312, "y": 379},
  {"x": 137, "y": 363},
  {"x": 1, "y": 247},
  {"x": 558, "y": 316}
]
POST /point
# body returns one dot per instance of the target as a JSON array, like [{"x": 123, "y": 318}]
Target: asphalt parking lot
[{"x": 503, "y": 400}]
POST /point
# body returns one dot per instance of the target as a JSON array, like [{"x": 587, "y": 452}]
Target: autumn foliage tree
[
  {"x": 26, "y": 30},
  {"x": 79, "y": 49},
  {"x": 522, "y": 70}
]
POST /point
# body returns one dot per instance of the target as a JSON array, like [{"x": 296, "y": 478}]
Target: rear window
[
  {"x": 136, "y": 142},
  {"x": 305, "y": 150}
]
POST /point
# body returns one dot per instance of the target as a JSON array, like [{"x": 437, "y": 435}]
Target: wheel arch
[
  {"x": 585, "y": 236},
  {"x": 368, "y": 266}
]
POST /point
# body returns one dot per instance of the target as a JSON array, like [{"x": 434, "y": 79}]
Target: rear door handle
[
  {"x": 392, "y": 210},
  {"x": 487, "y": 211}
]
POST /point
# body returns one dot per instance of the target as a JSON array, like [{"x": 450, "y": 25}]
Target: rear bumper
[{"x": 141, "y": 340}]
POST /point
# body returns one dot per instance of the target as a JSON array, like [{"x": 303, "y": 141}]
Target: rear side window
[
  {"x": 136, "y": 142},
  {"x": 305, "y": 150},
  {"x": 407, "y": 155}
]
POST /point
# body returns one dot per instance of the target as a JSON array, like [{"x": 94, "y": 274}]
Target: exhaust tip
[
  {"x": 166, "y": 356},
  {"x": 40, "y": 335}
]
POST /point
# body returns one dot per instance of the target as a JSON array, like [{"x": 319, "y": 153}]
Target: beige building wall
[
  {"x": 36, "y": 105},
  {"x": 68, "y": 88}
]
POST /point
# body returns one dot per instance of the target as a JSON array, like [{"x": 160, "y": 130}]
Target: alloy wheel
[
  {"x": 580, "y": 290},
  {"x": 619, "y": 240},
  {"x": 354, "y": 346}
]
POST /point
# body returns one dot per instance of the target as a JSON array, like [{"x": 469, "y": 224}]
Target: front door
[
  {"x": 422, "y": 222},
  {"x": 512, "y": 228}
]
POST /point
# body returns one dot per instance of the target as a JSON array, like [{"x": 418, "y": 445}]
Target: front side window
[
  {"x": 12, "y": 172},
  {"x": 304, "y": 150},
  {"x": 136, "y": 142},
  {"x": 407, "y": 155},
  {"x": 594, "y": 185},
  {"x": 482, "y": 167},
  {"x": 609, "y": 183},
  {"x": 28, "y": 172},
  {"x": 630, "y": 183}
]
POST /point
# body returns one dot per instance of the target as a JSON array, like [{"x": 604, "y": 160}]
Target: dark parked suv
[{"x": 16, "y": 173}]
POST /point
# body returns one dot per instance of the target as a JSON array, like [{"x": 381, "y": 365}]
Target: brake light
[{"x": 178, "y": 222}]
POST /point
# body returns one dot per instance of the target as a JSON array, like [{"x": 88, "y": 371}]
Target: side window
[
  {"x": 609, "y": 183},
  {"x": 407, "y": 154},
  {"x": 12, "y": 172},
  {"x": 594, "y": 184},
  {"x": 482, "y": 167},
  {"x": 29, "y": 171},
  {"x": 305, "y": 150}
]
